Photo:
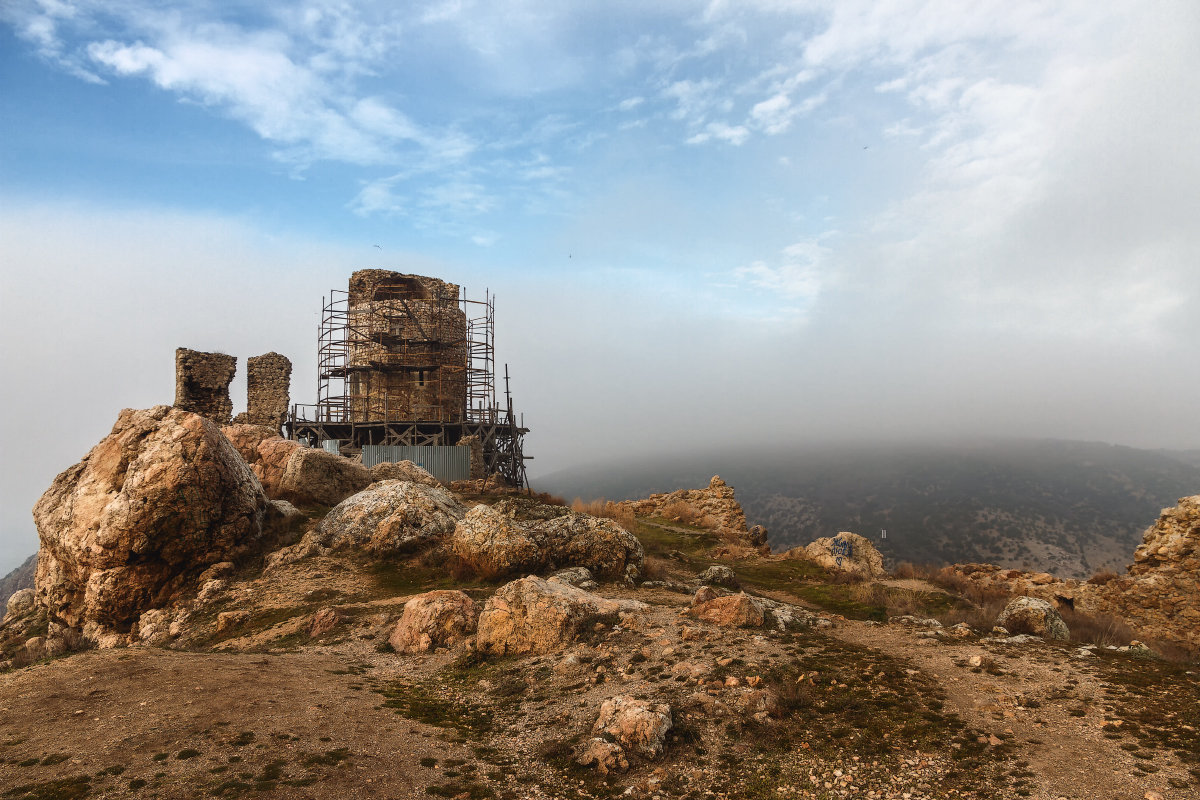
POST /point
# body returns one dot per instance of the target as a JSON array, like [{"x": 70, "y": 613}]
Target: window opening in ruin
[{"x": 420, "y": 377}]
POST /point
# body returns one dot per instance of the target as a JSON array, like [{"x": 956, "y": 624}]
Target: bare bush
[
  {"x": 621, "y": 515},
  {"x": 1098, "y": 629},
  {"x": 679, "y": 511},
  {"x": 1103, "y": 577}
]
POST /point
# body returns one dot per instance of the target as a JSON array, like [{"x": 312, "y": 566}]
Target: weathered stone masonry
[
  {"x": 202, "y": 383},
  {"x": 268, "y": 381}
]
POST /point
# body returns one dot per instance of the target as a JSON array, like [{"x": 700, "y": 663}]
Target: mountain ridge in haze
[{"x": 1066, "y": 507}]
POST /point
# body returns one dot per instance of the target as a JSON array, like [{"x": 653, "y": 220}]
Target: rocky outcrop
[
  {"x": 388, "y": 518},
  {"x": 606, "y": 756},
  {"x": 434, "y": 619},
  {"x": 714, "y": 508},
  {"x": 532, "y": 615},
  {"x": 730, "y": 611},
  {"x": 1034, "y": 616},
  {"x": 290, "y": 471},
  {"x": 512, "y": 539},
  {"x": 20, "y": 603},
  {"x": 846, "y": 552},
  {"x": 157, "y": 500},
  {"x": 1159, "y": 597},
  {"x": 719, "y": 575},
  {"x": 402, "y": 471},
  {"x": 640, "y": 726}
]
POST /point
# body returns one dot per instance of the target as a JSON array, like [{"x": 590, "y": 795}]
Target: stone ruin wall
[
  {"x": 202, "y": 383},
  {"x": 716, "y": 507},
  {"x": 268, "y": 386},
  {"x": 393, "y": 316},
  {"x": 202, "y": 387}
]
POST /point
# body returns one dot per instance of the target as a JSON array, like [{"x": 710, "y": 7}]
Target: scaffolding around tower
[{"x": 408, "y": 360}]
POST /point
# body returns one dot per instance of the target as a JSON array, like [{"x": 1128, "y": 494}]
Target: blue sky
[{"x": 852, "y": 218}]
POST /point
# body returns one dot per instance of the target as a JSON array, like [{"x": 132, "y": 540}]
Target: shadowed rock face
[
  {"x": 290, "y": 471},
  {"x": 162, "y": 496}
]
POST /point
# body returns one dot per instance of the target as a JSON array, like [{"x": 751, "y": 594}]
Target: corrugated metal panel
[
  {"x": 444, "y": 463},
  {"x": 331, "y": 446}
]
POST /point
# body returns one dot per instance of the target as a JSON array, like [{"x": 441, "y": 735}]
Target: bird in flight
[{"x": 379, "y": 247}]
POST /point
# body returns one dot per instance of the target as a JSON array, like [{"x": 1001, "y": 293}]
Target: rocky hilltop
[{"x": 219, "y": 612}]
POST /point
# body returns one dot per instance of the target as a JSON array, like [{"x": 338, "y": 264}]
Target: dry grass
[
  {"x": 679, "y": 511},
  {"x": 1099, "y": 629},
  {"x": 906, "y": 570},
  {"x": 607, "y": 509},
  {"x": 1102, "y": 577}
]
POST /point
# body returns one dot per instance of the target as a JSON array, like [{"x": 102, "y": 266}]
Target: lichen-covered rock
[
  {"x": 290, "y": 471},
  {"x": 494, "y": 544},
  {"x": 846, "y": 552},
  {"x": 154, "y": 626},
  {"x": 576, "y": 576},
  {"x": 719, "y": 575},
  {"x": 509, "y": 539},
  {"x": 20, "y": 603},
  {"x": 640, "y": 726},
  {"x": 1035, "y": 616},
  {"x": 157, "y": 500},
  {"x": 434, "y": 619},
  {"x": 402, "y": 471},
  {"x": 730, "y": 611},
  {"x": 387, "y": 518},
  {"x": 532, "y": 615},
  {"x": 607, "y": 756}
]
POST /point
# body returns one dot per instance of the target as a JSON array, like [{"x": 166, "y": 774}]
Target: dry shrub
[
  {"x": 871, "y": 594},
  {"x": 906, "y": 570},
  {"x": 1102, "y": 577},
  {"x": 545, "y": 498},
  {"x": 846, "y": 578},
  {"x": 1173, "y": 651},
  {"x": 679, "y": 511},
  {"x": 1099, "y": 629},
  {"x": 981, "y": 616},
  {"x": 655, "y": 569},
  {"x": 621, "y": 515},
  {"x": 901, "y": 602},
  {"x": 794, "y": 696}
]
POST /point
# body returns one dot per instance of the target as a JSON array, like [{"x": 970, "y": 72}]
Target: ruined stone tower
[
  {"x": 202, "y": 383},
  {"x": 406, "y": 348},
  {"x": 268, "y": 384}
]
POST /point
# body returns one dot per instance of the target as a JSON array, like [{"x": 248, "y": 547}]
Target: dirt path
[{"x": 1037, "y": 698}]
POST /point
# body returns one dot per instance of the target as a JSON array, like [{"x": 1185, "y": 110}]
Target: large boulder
[
  {"x": 402, "y": 471},
  {"x": 509, "y": 540},
  {"x": 639, "y": 725},
  {"x": 1034, "y": 616},
  {"x": 440, "y": 618},
  {"x": 388, "y": 518},
  {"x": 288, "y": 470},
  {"x": 20, "y": 603},
  {"x": 155, "y": 502},
  {"x": 532, "y": 615},
  {"x": 730, "y": 611},
  {"x": 846, "y": 552}
]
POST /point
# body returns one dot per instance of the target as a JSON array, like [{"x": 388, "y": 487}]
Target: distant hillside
[
  {"x": 1069, "y": 508},
  {"x": 19, "y": 578}
]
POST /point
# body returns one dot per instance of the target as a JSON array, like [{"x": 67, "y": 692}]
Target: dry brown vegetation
[
  {"x": 1102, "y": 577},
  {"x": 605, "y": 508}
]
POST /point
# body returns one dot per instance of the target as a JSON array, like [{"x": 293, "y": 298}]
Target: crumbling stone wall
[
  {"x": 714, "y": 507},
  {"x": 478, "y": 468},
  {"x": 268, "y": 386},
  {"x": 202, "y": 383},
  {"x": 407, "y": 342}
]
